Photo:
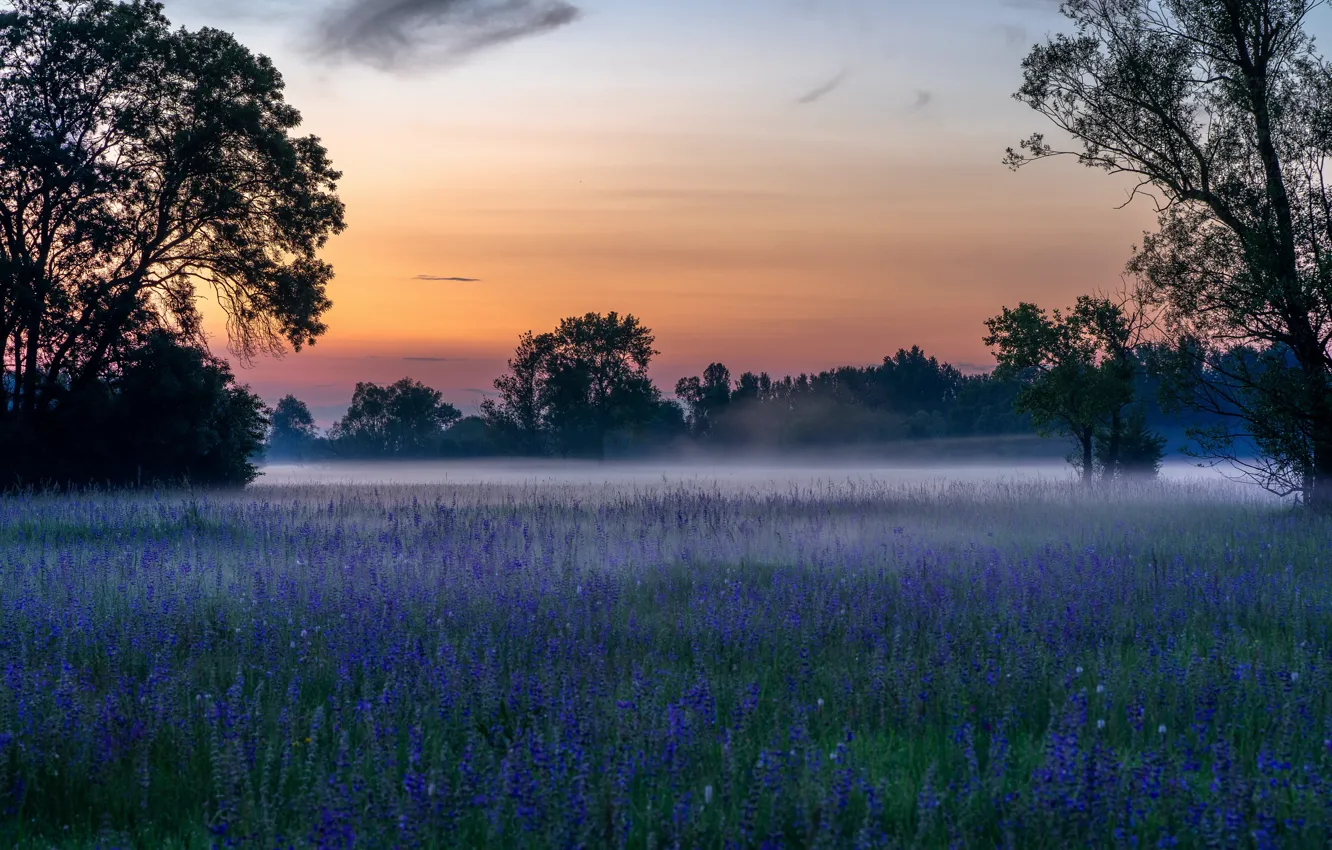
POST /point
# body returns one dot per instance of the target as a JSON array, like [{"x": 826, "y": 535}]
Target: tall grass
[{"x": 847, "y": 664}]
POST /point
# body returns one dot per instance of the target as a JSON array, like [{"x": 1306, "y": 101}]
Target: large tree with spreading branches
[
  {"x": 1220, "y": 110},
  {"x": 141, "y": 168}
]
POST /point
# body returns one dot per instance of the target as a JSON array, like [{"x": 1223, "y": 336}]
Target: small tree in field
[
  {"x": 292, "y": 429},
  {"x": 1076, "y": 370},
  {"x": 571, "y": 388},
  {"x": 404, "y": 419}
]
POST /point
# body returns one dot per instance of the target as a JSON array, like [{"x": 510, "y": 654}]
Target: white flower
[
  {"x": 293, "y": 644},
  {"x": 707, "y": 794},
  {"x": 1079, "y": 671},
  {"x": 1100, "y": 689},
  {"x": 303, "y": 632},
  {"x": 1100, "y": 724},
  {"x": 1294, "y": 677},
  {"x": 1161, "y": 729},
  {"x": 820, "y": 703}
]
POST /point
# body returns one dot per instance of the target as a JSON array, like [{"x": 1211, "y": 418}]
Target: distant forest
[{"x": 582, "y": 391}]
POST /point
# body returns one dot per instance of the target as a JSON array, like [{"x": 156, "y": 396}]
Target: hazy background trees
[
  {"x": 292, "y": 432},
  {"x": 403, "y": 420}
]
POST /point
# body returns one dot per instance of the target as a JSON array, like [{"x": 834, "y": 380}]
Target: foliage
[
  {"x": 170, "y": 413},
  {"x": 1077, "y": 372},
  {"x": 140, "y": 164},
  {"x": 568, "y": 390},
  {"x": 1223, "y": 111},
  {"x": 404, "y": 419},
  {"x": 702, "y": 666},
  {"x": 705, "y": 398},
  {"x": 910, "y": 395},
  {"x": 1137, "y": 452},
  {"x": 292, "y": 432}
]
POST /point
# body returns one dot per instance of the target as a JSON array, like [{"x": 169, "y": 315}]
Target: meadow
[{"x": 665, "y": 664}]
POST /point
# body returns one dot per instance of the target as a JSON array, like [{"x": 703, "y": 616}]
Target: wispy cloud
[
  {"x": 819, "y": 92},
  {"x": 431, "y": 359},
  {"x": 923, "y": 99},
  {"x": 455, "y": 279},
  {"x": 395, "y": 33},
  {"x": 1014, "y": 35}
]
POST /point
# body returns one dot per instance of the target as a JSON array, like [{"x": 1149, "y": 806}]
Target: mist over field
[{"x": 756, "y": 474}]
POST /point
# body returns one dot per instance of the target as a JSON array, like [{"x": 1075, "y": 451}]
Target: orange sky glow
[{"x": 739, "y": 224}]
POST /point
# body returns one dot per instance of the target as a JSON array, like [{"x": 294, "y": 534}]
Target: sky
[{"x": 779, "y": 185}]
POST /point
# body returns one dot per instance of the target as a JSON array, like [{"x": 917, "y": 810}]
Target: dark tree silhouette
[
  {"x": 138, "y": 165},
  {"x": 568, "y": 390},
  {"x": 1077, "y": 372},
  {"x": 1220, "y": 109},
  {"x": 292, "y": 431},
  {"x": 705, "y": 398},
  {"x": 168, "y": 413},
  {"x": 404, "y": 419}
]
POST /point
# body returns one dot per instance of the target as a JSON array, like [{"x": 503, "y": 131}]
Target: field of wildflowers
[{"x": 1003, "y": 664}]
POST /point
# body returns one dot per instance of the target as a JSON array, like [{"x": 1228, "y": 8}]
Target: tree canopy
[
  {"x": 1222, "y": 111},
  {"x": 570, "y": 389},
  {"x": 404, "y": 419},
  {"x": 142, "y": 166},
  {"x": 1076, "y": 370},
  {"x": 292, "y": 432}
]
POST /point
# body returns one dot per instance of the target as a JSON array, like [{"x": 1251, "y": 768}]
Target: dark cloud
[
  {"x": 826, "y": 88},
  {"x": 454, "y": 279},
  {"x": 392, "y": 33}
]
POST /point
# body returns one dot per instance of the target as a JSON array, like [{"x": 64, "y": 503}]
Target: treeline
[{"x": 582, "y": 390}]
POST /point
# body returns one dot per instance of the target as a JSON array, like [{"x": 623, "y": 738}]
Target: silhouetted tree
[
  {"x": 705, "y": 398},
  {"x": 167, "y": 413},
  {"x": 1223, "y": 111},
  {"x": 469, "y": 437},
  {"x": 292, "y": 431},
  {"x": 1077, "y": 372},
  {"x": 1137, "y": 453},
  {"x": 137, "y": 163},
  {"x": 404, "y": 419},
  {"x": 569, "y": 389},
  {"x": 516, "y": 419}
]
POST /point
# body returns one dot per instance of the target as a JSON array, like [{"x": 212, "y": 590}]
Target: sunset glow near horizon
[{"x": 778, "y": 185}]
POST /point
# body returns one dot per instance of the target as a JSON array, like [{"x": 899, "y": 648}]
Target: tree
[
  {"x": 569, "y": 389},
  {"x": 292, "y": 430},
  {"x": 1138, "y": 452},
  {"x": 168, "y": 413},
  {"x": 705, "y": 398},
  {"x": 1223, "y": 111},
  {"x": 1077, "y": 370},
  {"x": 139, "y": 164},
  {"x": 404, "y": 419}
]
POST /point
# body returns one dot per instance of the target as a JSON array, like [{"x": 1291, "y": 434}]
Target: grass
[{"x": 1000, "y": 664}]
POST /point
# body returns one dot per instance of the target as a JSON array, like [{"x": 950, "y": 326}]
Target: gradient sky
[{"x": 784, "y": 185}]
